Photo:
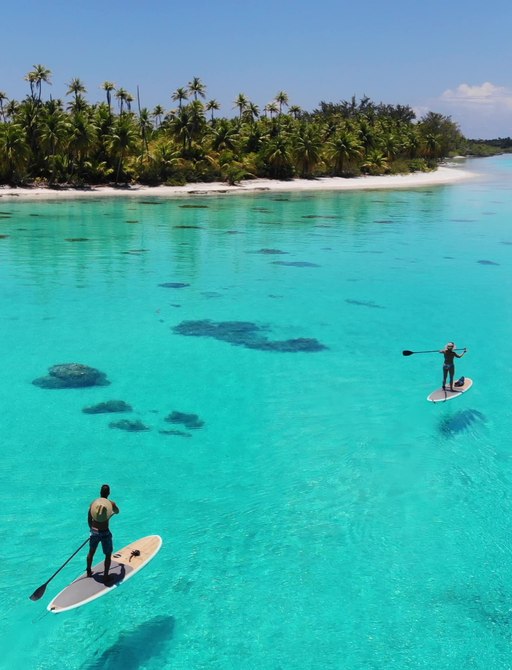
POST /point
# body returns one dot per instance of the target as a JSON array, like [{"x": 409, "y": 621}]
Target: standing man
[
  {"x": 100, "y": 511},
  {"x": 449, "y": 363}
]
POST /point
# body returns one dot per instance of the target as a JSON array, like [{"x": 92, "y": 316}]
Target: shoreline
[{"x": 442, "y": 176}]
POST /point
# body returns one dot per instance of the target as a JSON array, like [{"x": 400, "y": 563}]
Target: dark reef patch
[
  {"x": 194, "y": 206},
  {"x": 180, "y": 433},
  {"x": 130, "y": 426},
  {"x": 3, "y": 237},
  {"x": 484, "y": 262},
  {"x": 364, "y": 303},
  {"x": 269, "y": 251},
  {"x": 190, "y": 421},
  {"x": 297, "y": 264},
  {"x": 71, "y": 375},
  {"x": 319, "y": 216},
  {"x": 460, "y": 421},
  {"x": 134, "y": 252},
  {"x": 108, "y": 407},
  {"x": 174, "y": 284},
  {"x": 211, "y": 294},
  {"x": 189, "y": 227},
  {"x": 246, "y": 334},
  {"x": 149, "y": 202},
  {"x": 76, "y": 239}
]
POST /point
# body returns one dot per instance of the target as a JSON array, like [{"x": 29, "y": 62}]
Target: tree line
[{"x": 55, "y": 142}]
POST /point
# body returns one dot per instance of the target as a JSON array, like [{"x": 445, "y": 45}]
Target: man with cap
[
  {"x": 449, "y": 364},
  {"x": 100, "y": 511}
]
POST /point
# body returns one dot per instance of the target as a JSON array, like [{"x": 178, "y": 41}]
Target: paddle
[
  {"x": 39, "y": 592},
  {"x": 433, "y": 351}
]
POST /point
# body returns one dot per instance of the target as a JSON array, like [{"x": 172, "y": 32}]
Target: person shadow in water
[{"x": 134, "y": 648}]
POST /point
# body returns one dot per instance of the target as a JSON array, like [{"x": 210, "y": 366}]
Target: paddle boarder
[
  {"x": 100, "y": 512},
  {"x": 449, "y": 365}
]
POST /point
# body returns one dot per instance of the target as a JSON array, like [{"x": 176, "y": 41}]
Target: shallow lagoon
[{"x": 324, "y": 514}]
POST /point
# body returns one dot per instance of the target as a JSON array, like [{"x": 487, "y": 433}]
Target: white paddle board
[
  {"x": 125, "y": 563},
  {"x": 440, "y": 395}
]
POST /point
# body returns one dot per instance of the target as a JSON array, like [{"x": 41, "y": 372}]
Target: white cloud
[
  {"x": 481, "y": 110},
  {"x": 485, "y": 94}
]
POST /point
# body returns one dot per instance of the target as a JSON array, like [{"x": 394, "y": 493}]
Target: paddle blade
[
  {"x": 407, "y": 353},
  {"x": 38, "y": 593}
]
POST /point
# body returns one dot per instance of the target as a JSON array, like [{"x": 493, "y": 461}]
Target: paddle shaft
[
  {"x": 39, "y": 592},
  {"x": 432, "y": 351}
]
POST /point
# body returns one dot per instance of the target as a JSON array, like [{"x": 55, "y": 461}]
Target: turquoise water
[{"x": 325, "y": 515}]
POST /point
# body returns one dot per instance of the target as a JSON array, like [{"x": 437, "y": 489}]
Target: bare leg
[
  {"x": 90, "y": 556},
  {"x": 452, "y": 371},
  {"x": 107, "y": 568}
]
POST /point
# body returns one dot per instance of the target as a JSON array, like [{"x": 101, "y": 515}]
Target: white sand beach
[{"x": 443, "y": 175}]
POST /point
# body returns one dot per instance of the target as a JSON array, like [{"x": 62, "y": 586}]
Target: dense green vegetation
[
  {"x": 482, "y": 148},
  {"x": 75, "y": 142}
]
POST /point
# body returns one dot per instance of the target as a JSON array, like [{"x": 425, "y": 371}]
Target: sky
[{"x": 450, "y": 56}]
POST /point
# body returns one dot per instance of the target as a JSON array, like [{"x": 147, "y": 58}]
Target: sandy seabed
[{"x": 443, "y": 175}]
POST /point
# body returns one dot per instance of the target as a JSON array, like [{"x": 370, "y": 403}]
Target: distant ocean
[{"x": 317, "y": 512}]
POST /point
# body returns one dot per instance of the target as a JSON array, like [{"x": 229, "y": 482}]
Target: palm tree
[
  {"x": 196, "y": 87},
  {"x": 123, "y": 139},
  {"x": 31, "y": 78},
  {"x": 145, "y": 126},
  {"x": 11, "y": 109},
  {"x": 121, "y": 95},
  {"x": 39, "y": 74},
  {"x": 78, "y": 104},
  {"x": 83, "y": 135},
  {"x": 197, "y": 119},
  {"x": 167, "y": 160},
  {"x": 28, "y": 116},
  {"x": 342, "y": 149},
  {"x": 282, "y": 99},
  {"x": 277, "y": 158},
  {"x": 251, "y": 112},
  {"x": 3, "y": 98},
  {"x": 224, "y": 136},
  {"x": 129, "y": 99},
  {"x": 211, "y": 106},
  {"x": 431, "y": 145},
  {"x": 108, "y": 87},
  {"x": 157, "y": 114},
  {"x": 103, "y": 121},
  {"x": 14, "y": 152},
  {"x": 375, "y": 163},
  {"x": 271, "y": 108},
  {"x": 307, "y": 149},
  {"x": 295, "y": 111},
  {"x": 181, "y": 127},
  {"x": 179, "y": 95},
  {"x": 76, "y": 87},
  {"x": 241, "y": 103},
  {"x": 53, "y": 134}
]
